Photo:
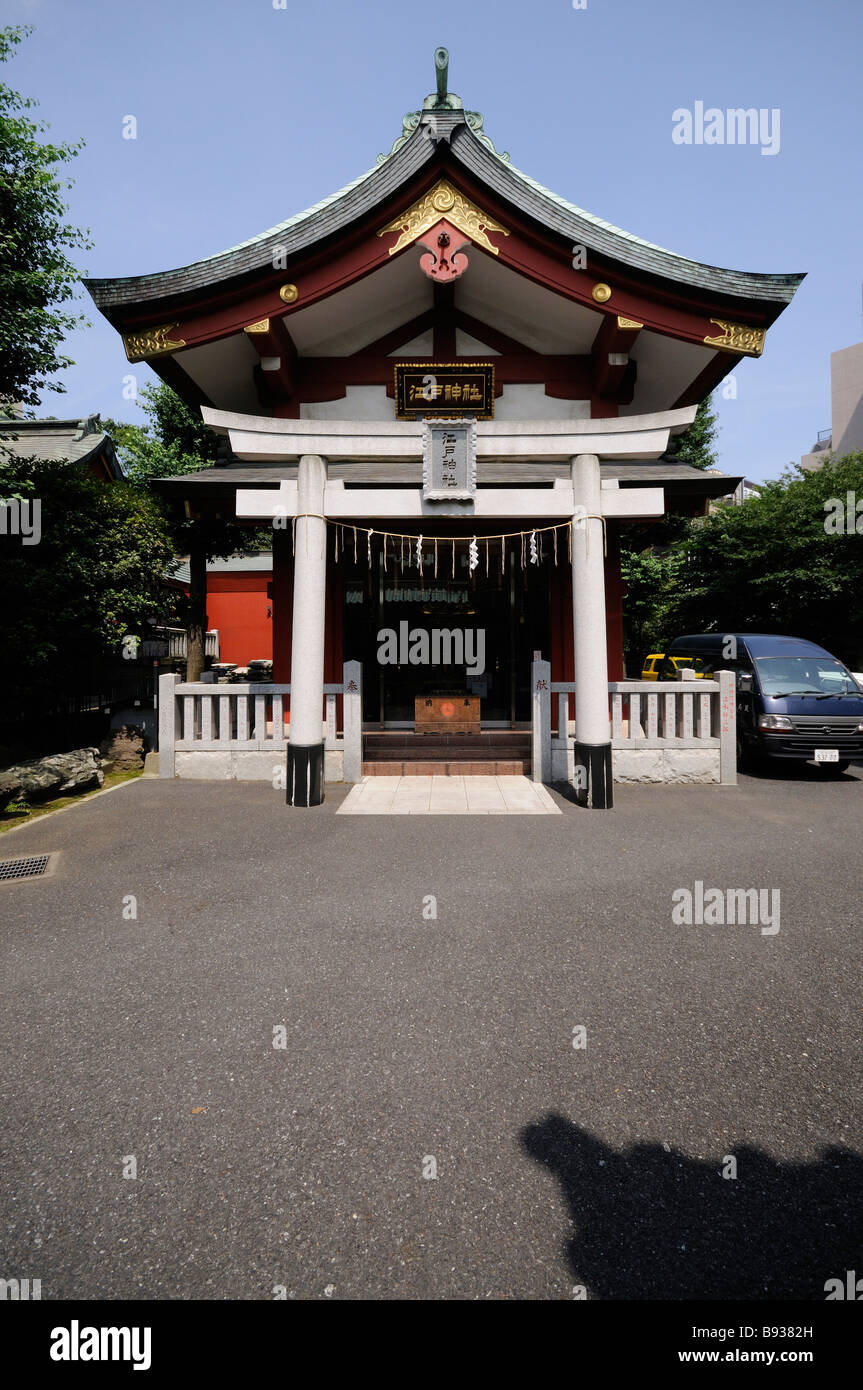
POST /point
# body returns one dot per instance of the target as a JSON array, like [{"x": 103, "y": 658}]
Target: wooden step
[
  {"x": 438, "y": 755},
  {"x": 503, "y": 738},
  {"x": 453, "y": 767},
  {"x": 486, "y": 753}
]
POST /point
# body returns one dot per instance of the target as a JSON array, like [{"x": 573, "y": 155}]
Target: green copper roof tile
[{"x": 442, "y": 121}]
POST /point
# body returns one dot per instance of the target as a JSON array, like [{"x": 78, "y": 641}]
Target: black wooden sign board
[{"x": 438, "y": 390}]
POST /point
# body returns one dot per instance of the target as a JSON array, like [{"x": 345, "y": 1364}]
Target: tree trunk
[{"x": 197, "y": 619}]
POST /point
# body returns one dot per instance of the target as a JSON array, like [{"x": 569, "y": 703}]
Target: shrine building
[{"x": 445, "y": 390}]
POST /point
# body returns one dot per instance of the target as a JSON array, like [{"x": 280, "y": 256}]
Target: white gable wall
[{"x": 523, "y": 402}]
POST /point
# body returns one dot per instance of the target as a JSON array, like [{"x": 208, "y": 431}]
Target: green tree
[
  {"x": 94, "y": 577},
  {"x": 36, "y": 274},
  {"x": 778, "y": 564},
  {"x": 175, "y": 441},
  {"x": 650, "y": 567},
  {"x": 697, "y": 446},
  {"x": 649, "y": 575}
]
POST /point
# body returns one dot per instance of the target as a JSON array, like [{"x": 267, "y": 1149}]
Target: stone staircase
[{"x": 403, "y": 753}]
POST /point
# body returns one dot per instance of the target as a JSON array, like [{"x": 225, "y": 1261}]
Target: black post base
[
  {"x": 305, "y": 775},
  {"x": 593, "y": 784}
]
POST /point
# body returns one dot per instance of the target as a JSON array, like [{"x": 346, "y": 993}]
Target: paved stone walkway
[{"x": 448, "y": 796}]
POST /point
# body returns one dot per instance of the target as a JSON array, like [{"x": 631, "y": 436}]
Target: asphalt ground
[{"x": 416, "y": 1045}]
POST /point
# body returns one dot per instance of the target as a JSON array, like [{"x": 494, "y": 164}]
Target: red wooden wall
[{"x": 238, "y": 605}]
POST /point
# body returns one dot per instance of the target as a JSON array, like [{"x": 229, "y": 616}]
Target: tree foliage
[
  {"x": 95, "y": 575},
  {"x": 175, "y": 441},
  {"x": 36, "y": 274},
  {"x": 766, "y": 566},
  {"x": 697, "y": 446},
  {"x": 770, "y": 565},
  {"x": 648, "y": 564},
  {"x": 649, "y": 576}
]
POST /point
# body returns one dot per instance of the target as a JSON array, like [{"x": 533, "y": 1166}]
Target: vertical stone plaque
[{"x": 449, "y": 461}]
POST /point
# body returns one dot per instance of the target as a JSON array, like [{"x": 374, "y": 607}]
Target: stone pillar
[
  {"x": 593, "y": 772},
  {"x": 306, "y": 745},
  {"x": 540, "y": 716},
  {"x": 353, "y": 721},
  {"x": 169, "y": 723}
]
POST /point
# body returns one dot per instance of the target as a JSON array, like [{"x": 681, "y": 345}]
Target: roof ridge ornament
[
  {"x": 441, "y": 100},
  {"x": 474, "y": 120}
]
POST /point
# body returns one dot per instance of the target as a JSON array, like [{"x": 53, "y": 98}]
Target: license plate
[{"x": 826, "y": 755}]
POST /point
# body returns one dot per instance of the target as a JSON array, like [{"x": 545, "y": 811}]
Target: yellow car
[
  {"x": 651, "y": 666},
  {"x": 653, "y": 663}
]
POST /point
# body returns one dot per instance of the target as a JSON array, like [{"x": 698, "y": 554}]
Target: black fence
[{"x": 78, "y": 715}]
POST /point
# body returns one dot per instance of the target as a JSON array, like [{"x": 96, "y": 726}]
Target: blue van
[{"x": 794, "y": 700}]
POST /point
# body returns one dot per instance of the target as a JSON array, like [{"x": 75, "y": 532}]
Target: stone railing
[
  {"x": 661, "y": 731},
  {"x": 242, "y": 731},
  {"x": 171, "y": 643}
]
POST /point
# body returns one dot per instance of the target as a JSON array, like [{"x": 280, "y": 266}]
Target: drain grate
[{"x": 32, "y": 867}]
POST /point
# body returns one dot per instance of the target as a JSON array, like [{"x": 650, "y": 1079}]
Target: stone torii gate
[{"x": 311, "y": 500}]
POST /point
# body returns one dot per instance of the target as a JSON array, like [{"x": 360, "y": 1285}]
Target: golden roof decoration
[{"x": 443, "y": 201}]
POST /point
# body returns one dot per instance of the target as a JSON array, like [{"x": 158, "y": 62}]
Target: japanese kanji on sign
[{"x": 442, "y": 389}]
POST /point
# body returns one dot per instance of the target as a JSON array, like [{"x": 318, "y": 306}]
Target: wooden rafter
[
  {"x": 500, "y": 342},
  {"x": 278, "y": 357},
  {"x": 398, "y": 336},
  {"x": 610, "y": 353}
]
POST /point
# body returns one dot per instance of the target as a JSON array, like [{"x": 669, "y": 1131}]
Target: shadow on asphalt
[
  {"x": 652, "y": 1223},
  {"x": 774, "y": 770},
  {"x": 795, "y": 770},
  {"x": 567, "y": 792}
]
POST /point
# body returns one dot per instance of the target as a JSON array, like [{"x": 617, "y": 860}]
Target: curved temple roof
[{"x": 442, "y": 121}]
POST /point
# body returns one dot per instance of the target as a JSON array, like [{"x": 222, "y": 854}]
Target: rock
[
  {"x": 124, "y": 749},
  {"x": 81, "y": 770},
  {"x": 58, "y": 775},
  {"x": 10, "y": 788},
  {"x": 142, "y": 718},
  {"x": 39, "y": 780}
]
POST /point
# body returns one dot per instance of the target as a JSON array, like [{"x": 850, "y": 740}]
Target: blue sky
[{"x": 247, "y": 113}]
